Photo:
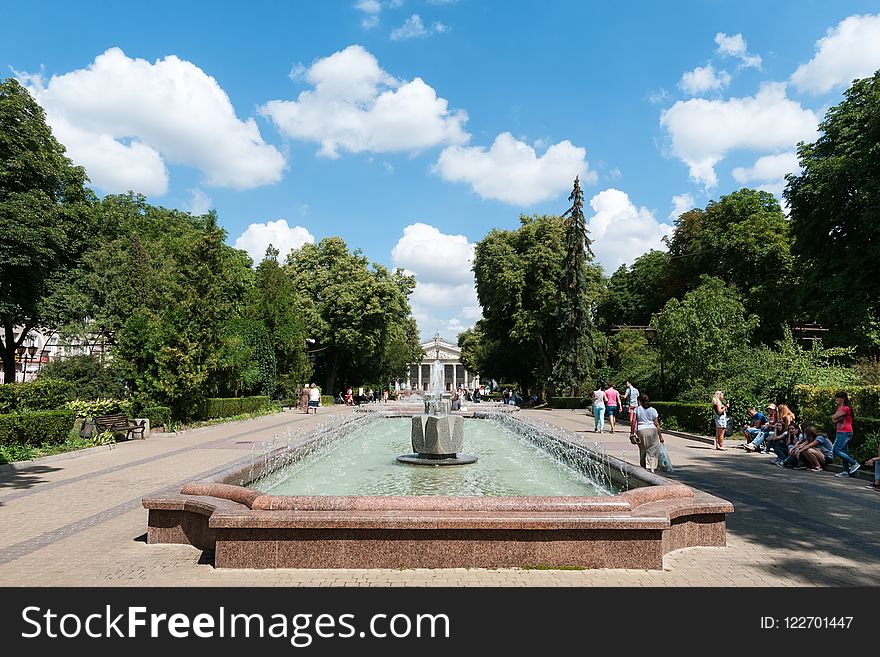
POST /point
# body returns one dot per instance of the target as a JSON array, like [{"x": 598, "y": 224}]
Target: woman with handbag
[{"x": 645, "y": 432}]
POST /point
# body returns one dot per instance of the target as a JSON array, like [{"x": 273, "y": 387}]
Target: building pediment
[{"x": 444, "y": 351}]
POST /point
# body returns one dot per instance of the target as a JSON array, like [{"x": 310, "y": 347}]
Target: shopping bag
[{"x": 663, "y": 457}]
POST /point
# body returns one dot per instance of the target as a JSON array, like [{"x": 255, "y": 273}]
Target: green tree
[
  {"x": 90, "y": 378},
  {"x": 358, "y": 313},
  {"x": 743, "y": 239},
  {"x": 701, "y": 339},
  {"x": 518, "y": 277},
  {"x": 275, "y": 301},
  {"x": 835, "y": 206},
  {"x": 245, "y": 363},
  {"x": 634, "y": 294},
  {"x": 574, "y": 356},
  {"x": 43, "y": 220}
]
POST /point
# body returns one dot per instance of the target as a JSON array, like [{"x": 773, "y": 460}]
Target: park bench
[{"x": 119, "y": 424}]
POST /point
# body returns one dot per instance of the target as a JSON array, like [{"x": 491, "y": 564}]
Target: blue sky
[{"x": 413, "y": 127}]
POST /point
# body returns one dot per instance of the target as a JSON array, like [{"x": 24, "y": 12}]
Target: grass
[{"x": 180, "y": 426}]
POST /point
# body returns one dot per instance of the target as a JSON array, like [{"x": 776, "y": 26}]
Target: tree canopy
[{"x": 835, "y": 209}]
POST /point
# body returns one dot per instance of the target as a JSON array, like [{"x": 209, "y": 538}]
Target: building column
[
  {"x": 420, "y": 376},
  {"x": 465, "y": 379},
  {"x": 455, "y": 376}
]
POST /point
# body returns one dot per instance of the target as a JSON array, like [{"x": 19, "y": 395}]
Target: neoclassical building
[{"x": 454, "y": 373}]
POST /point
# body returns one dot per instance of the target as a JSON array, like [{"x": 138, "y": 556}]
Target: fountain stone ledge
[{"x": 250, "y": 529}]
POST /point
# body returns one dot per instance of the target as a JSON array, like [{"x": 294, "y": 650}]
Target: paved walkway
[{"x": 78, "y": 520}]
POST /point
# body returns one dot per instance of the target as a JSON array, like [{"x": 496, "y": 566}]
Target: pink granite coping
[{"x": 336, "y": 531}]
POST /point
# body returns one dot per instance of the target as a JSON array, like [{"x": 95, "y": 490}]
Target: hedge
[
  {"x": 36, "y": 427},
  {"x": 695, "y": 418},
  {"x": 570, "y": 402},
  {"x": 157, "y": 415},
  {"x": 816, "y": 405},
  {"x": 39, "y": 395},
  {"x": 215, "y": 407},
  {"x": 327, "y": 400}
]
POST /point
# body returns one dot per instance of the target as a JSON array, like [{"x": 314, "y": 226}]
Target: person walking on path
[
  {"x": 304, "y": 397},
  {"x": 876, "y": 463},
  {"x": 314, "y": 398},
  {"x": 721, "y": 419},
  {"x": 842, "y": 419},
  {"x": 599, "y": 409},
  {"x": 646, "y": 425},
  {"x": 631, "y": 399},
  {"x": 613, "y": 399}
]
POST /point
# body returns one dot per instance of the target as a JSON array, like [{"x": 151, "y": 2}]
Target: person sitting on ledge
[{"x": 754, "y": 429}]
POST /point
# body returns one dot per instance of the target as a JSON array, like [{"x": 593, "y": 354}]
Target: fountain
[{"x": 437, "y": 436}]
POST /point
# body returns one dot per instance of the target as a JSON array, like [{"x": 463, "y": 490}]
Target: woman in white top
[
  {"x": 314, "y": 398},
  {"x": 599, "y": 399},
  {"x": 646, "y": 425},
  {"x": 721, "y": 419}
]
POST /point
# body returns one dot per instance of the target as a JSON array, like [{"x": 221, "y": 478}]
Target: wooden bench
[{"x": 119, "y": 423}]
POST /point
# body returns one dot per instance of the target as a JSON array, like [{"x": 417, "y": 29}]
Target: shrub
[
  {"x": 866, "y": 447},
  {"x": 36, "y": 427},
  {"x": 39, "y": 395},
  {"x": 7, "y": 397},
  {"x": 696, "y": 418},
  {"x": 569, "y": 402},
  {"x": 157, "y": 415},
  {"x": 327, "y": 400},
  {"x": 98, "y": 407},
  {"x": 816, "y": 405},
  {"x": 215, "y": 407},
  {"x": 90, "y": 378}
]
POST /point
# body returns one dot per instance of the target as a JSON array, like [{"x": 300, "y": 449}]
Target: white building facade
[{"x": 454, "y": 374}]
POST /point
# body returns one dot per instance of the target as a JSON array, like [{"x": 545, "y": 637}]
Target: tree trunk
[
  {"x": 331, "y": 374},
  {"x": 7, "y": 349}
]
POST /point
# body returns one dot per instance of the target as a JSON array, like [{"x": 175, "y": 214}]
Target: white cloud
[
  {"x": 704, "y": 78},
  {"x": 199, "y": 202},
  {"x": 511, "y": 172},
  {"x": 681, "y": 203},
  {"x": 414, "y": 28},
  {"x": 356, "y": 106},
  {"x": 257, "y": 237},
  {"x": 703, "y": 131},
  {"x": 657, "y": 97},
  {"x": 735, "y": 46},
  {"x": 123, "y": 118},
  {"x": 433, "y": 256},
  {"x": 369, "y": 22},
  {"x": 441, "y": 264},
  {"x": 768, "y": 168},
  {"x": 620, "y": 231},
  {"x": 849, "y": 51},
  {"x": 369, "y": 6}
]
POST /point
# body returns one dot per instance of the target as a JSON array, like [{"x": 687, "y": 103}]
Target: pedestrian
[
  {"x": 314, "y": 398},
  {"x": 842, "y": 419},
  {"x": 304, "y": 398},
  {"x": 721, "y": 419},
  {"x": 613, "y": 399},
  {"x": 385, "y": 396},
  {"x": 645, "y": 425},
  {"x": 631, "y": 398},
  {"x": 598, "y": 409}
]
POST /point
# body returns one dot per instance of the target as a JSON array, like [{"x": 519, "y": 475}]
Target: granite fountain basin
[{"x": 636, "y": 519}]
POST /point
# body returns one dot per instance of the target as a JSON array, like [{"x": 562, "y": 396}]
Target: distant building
[
  {"x": 39, "y": 349},
  {"x": 454, "y": 373}
]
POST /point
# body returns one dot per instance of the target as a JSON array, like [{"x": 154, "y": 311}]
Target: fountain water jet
[{"x": 437, "y": 436}]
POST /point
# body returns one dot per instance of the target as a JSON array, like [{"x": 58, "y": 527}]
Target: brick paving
[{"x": 77, "y": 520}]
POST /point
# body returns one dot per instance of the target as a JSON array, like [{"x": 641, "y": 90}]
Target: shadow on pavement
[
  {"x": 806, "y": 511},
  {"x": 25, "y": 477}
]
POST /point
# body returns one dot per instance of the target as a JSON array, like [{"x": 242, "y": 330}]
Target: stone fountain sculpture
[{"x": 437, "y": 436}]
